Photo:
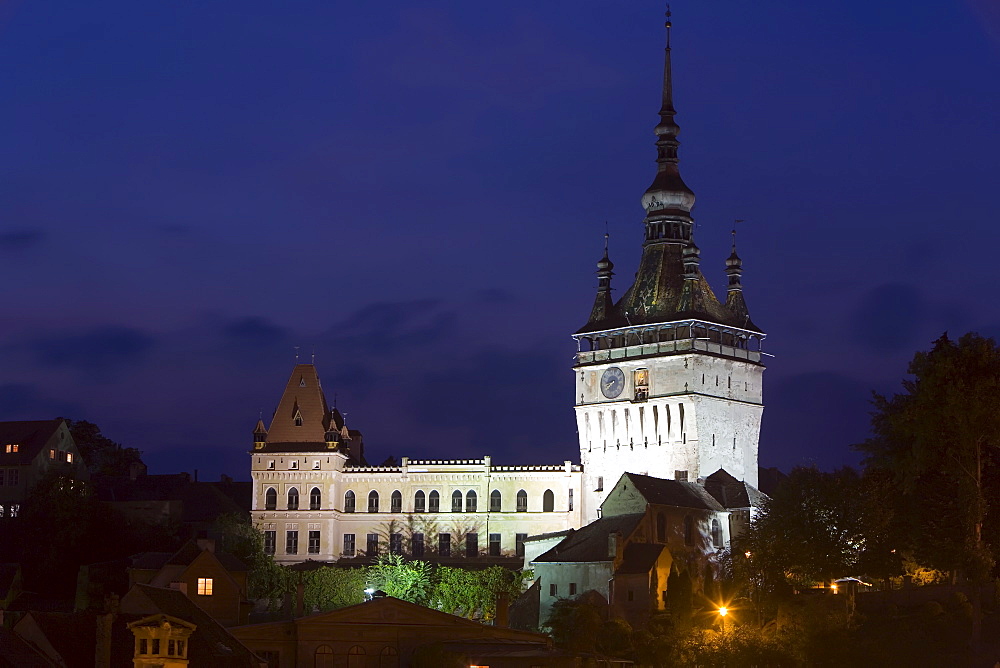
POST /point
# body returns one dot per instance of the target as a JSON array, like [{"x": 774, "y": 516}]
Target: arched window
[
  {"x": 356, "y": 657},
  {"x": 716, "y": 534},
  {"x": 456, "y": 501},
  {"x": 396, "y": 502},
  {"x": 388, "y": 658},
  {"x": 293, "y": 499},
  {"x": 434, "y": 502},
  {"x": 270, "y": 499},
  {"x": 373, "y": 501},
  {"x": 522, "y": 501},
  {"x": 548, "y": 501},
  {"x": 688, "y": 530},
  {"x": 418, "y": 502},
  {"x": 470, "y": 502},
  {"x": 315, "y": 499},
  {"x": 324, "y": 657},
  {"x": 661, "y": 528},
  {"x": 495, "y": 501},
  {"x": 349, "y": 502}
]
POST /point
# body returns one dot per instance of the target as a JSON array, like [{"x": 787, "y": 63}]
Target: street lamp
[{"x": 723, "y": 611}]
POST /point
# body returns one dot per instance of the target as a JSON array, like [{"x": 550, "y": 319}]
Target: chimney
[
  {"x": 206, "y": 544},
  {"x": 180, "y": 586}
]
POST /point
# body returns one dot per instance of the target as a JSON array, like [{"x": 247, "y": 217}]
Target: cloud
[
  {"x": 385, "y": 327},
  {"x": 889, "y": 318},
  {"x": 20, "y": 239},
  {"x": 103, "y": 350}
]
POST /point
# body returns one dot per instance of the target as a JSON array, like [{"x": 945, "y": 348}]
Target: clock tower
[{"x": 668, "y": 378}]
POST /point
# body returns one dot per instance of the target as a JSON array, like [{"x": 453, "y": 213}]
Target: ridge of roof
[
  {"x": 666, "y": 492},
  {"x": 590, "y": 543},
  {"x": 29, "y": 435},
  {"x": 303, "y": 396}
]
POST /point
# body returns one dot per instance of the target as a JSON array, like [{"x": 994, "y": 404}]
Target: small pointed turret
[
  {"x": 603, "y": 304},
  {"x": 259, "y": 435},
  {"x": 734, "y": 292}
]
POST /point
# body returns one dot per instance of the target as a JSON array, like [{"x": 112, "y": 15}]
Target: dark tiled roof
[
  {"x": 732, "y": 493},
  {"x": 639, "y": 558},
  {"x": 551, "y": 534},
  {"x": 151, "y": 561},
  {"x": 15, "y": 653},
  {"x": 590, "y": 543},
  {"x": 72, "y": 635},
  {"x": 201, "y": 501},
  {"x": 30, "y": 436},
  {"x": 211, "y": 645},
  {"x": 663, "y": 492}
]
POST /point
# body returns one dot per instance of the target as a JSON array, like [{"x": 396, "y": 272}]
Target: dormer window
[
  {"x": 298, "y": 419},
  {"x": 270, "y": 465},
  {"x": 293, "y": 465},
  {"x": 316, "y": 465},
  {"x": 12, "y": 447}
]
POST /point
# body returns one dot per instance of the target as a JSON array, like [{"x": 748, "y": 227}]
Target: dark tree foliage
[
  {"x": 100, "y": 453},
  {"x": 937, "y": 447}
]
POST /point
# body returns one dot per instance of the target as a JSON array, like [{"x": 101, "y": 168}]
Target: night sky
[{"x": 418, "y": 191}]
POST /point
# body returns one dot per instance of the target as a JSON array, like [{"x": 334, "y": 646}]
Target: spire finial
[
  {"x": 296, "y": 354},
  {"x": 314, "y": 355},
  {"x": 735, "y": 223},
  {"x": 668, "y": 25}
]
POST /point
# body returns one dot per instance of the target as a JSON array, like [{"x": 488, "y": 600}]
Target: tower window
[
  {"x": 373, "y": 501},
  {"x": 456, "y": 501},
  {"x": 682, "y": 476},
  {"x": 716, "y": 534},
  {"x": 372, "y": 550},
  {"x": 600, "y": 484},
  {"x": 293, "y": 499},
  {"x": 495, "y": 501},
  {"x": 396, "y": 502},
  {"x": 417, "y": 545},
  {"x": 519, "y": 539},
  {"x": 270, "y": 499},
  {"x": 571, "y": 499},
  {"x": 494, "y": 545},
  {"x": 434, "y": 502},
  {"x": 522, "y": 501},
  {"x": 315, "y": 499},
  {"x": 444, "y": 544},
  {"x": 471, "y": 501}
]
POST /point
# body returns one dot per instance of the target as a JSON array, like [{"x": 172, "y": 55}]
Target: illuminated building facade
[
  {"x": 668, "y": 377},
  {"x": 315, "y": 497}
]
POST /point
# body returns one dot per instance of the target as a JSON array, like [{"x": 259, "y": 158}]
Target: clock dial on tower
[{"x": 612, "y": 382}]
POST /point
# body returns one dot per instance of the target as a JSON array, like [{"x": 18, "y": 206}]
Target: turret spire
[{"x": 603, "y": 303}]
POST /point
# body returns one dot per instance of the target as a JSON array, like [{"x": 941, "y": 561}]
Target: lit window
[
  {"x": 15, "y": 508},
  {"x": 52, "y": 453},
  {"x": 12, "y": 447},
  {"x": 69, "y": 457},
  {"x": 204, "y": 586}
]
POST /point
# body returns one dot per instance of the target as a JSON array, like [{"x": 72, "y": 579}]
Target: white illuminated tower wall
[{"x": 668, "y": 377}]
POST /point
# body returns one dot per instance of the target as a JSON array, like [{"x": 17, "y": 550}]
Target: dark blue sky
[{"x": 419, "y": 191}]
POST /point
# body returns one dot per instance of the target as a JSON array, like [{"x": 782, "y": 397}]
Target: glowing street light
[{"x": 723, "y": 611}]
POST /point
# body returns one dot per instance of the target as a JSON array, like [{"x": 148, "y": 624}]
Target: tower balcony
[{"x": 675, "y": 338}]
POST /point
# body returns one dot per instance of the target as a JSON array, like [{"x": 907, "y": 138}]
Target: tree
[
  {"x": 939, "y": 444},
  {"x": 100, "y": 453},
  {"x": 240, "y": 538}
]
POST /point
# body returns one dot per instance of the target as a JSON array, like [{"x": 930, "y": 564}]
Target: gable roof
[
  {"x": 29, "y": 435},
  {"x": 663, "y": 492},
  {"x": 16, "y": 653},
  {"x": 590, "y": 543},
  {"x": 732, "y": 493}
]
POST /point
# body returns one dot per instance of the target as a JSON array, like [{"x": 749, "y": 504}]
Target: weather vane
[{"x": 668, "y": 24}]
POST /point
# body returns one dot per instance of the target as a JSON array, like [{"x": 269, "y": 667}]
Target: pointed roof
[
  {"x": 303, "y": 397},
  {"x": 669, "y": 286},
  {"x": 590, "y": 543},
  {"x": 29, "y": 435}
]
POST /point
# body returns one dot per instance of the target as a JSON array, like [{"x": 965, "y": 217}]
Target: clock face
[{"x": 612, "y": 382}]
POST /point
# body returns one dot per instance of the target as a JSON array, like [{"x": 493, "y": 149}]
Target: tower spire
[
  {"x": 603, "y": 303},
  {"x": 668, "y": 192}
]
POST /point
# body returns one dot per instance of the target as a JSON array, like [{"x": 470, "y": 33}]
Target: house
[
  {"x": 216, "y": 582},
  {"x": 386, "y": 632},
  {"x": 654, "y": 546},
  {"x": 29, "y": 449}
]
